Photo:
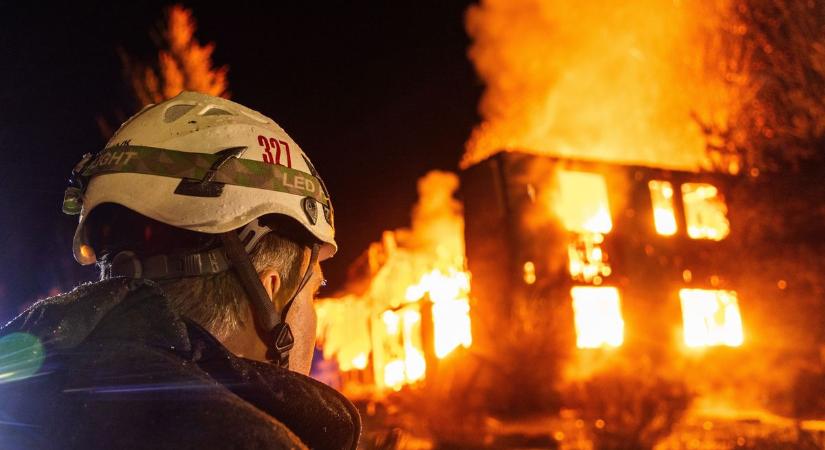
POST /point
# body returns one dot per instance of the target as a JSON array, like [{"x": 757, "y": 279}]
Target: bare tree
[{"x": 774, "y": 63}]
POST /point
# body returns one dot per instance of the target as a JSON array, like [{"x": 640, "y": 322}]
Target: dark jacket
[{"x": 122, "y": 371}]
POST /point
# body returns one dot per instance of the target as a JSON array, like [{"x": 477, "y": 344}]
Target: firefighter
[{"x": 208, "y": 223}]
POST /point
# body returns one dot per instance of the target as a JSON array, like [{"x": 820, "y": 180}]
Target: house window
[
  {"x": 582, "y": 206},
  {"x": 711, "y": 318},
  {"x": 582, "y": 203},
  {"x": 598, "y": 317},
  {"x": 705, "y": 211},
  {"x": 664, "y": 216}
]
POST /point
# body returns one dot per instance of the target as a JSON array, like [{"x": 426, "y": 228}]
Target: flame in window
[
  {"x": 586, "y": 260},
  {"x": 598, "y": 317},
  {"x": 711, "y": 318},
  {"x": 582, "y": 203},
  {"x": 582, "y": 206},
  {"x": 705, "y": 211},
  {"x": 664, "y": 217}
]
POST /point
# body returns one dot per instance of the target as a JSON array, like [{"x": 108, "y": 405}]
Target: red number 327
[{"x": 271, "y": 143}]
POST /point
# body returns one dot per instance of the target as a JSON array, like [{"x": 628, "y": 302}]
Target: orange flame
[
  {"x": 598, "y": 317},
  {"x": 606, "y": 80},
  {"x": 451, "y": 308},
  {"x": 411, "y": 270},
  {"x": 664, "y": 215},
  {"x": 705, "y": 212},
  {"x": 582, "y": 202},
  {"x": 711, "y": 318}
]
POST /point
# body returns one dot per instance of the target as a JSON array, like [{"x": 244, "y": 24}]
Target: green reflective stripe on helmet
[{"x": 176, "y": 164}]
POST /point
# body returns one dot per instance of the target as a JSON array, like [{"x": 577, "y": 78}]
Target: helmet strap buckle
[{"x": 281, "y": 341}]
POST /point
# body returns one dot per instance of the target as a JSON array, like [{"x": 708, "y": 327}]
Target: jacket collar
[{"x": 318, "y": 414}]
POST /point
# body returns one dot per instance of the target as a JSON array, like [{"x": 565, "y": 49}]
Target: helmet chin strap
[{"x": 275, "y": 332}]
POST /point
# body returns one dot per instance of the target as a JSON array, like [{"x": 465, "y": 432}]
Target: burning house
[
  {"x": 554, "y": 271},
  {"x": 613, "y": 269},
  {"x": 634, "y": 250},
  {"x": 632, "y": 253}
]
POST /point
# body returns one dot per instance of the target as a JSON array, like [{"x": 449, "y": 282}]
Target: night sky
[{"x": 377, "y": 94}]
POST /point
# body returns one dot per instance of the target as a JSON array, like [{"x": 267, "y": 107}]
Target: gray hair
[{"x": 217, "y": 302}]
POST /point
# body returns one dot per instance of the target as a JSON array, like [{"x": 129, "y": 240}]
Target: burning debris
[{"x": 412, "y": 306}]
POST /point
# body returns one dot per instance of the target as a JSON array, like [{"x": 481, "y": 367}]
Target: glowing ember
[
  {"x": 664, "y": 217},
  {"x": 529, "y": 272},
  {"x": 705, "y": 212},
  {"x": 711, "y": 318},
  {"x": 598, "y": 317}
]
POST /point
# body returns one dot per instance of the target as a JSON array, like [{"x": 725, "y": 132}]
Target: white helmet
[{"x": 204, "y": 164}]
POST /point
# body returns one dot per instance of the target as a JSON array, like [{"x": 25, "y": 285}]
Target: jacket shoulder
[
  {"x": 129, "y": 396},
  {"x": 118, "y": 374}
]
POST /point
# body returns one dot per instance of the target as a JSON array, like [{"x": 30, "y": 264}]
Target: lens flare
[{"x": 21, "y": 356}]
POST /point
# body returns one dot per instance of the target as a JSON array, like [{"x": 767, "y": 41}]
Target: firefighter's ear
[{"x": 271, "y": 280}]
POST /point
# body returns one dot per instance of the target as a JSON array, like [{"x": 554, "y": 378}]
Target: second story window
[
  {"x": 664, "y": 215},
  {"x": 705, "y": 212},
  {"x": 582, "y": 206}
]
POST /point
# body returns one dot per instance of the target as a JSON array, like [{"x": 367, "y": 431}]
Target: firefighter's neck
[{"x": 246, "y": 340}]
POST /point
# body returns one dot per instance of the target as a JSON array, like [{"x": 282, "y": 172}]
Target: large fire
[
  {"x": 600, "y": 80},
  {"x": 608, "y": 95},
  {"x": 415, "y": 307},
  {"x": 597, "y": 208}
]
